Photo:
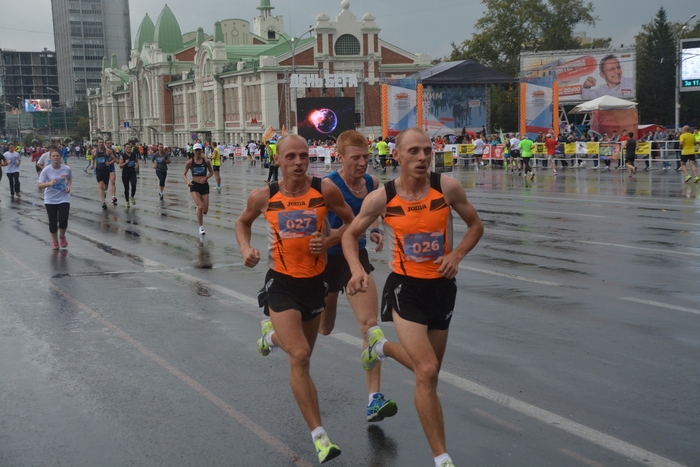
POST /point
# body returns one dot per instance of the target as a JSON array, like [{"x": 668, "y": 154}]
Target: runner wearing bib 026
[{"x": 419, "y": 231}]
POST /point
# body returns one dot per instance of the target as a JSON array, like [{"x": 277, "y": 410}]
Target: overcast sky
[{"x": 414, "y": 25}]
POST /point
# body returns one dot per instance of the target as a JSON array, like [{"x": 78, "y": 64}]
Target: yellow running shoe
[
  {"x": 265, "y": 328},
  {"x": 325, "y": 449}
]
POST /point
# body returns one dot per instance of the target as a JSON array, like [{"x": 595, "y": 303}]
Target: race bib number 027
[
  {"x": 297, "y": 224},
  {"x": 422, "y": 247}
]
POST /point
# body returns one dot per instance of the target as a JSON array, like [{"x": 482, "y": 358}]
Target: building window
[{"x": 347, "y": 44}]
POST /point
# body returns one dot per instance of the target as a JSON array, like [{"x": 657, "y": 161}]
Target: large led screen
[
  {"x": 690, "y": 65},
  {"x": 37, "y": 105},
  {"x": 325, "y": 117}
]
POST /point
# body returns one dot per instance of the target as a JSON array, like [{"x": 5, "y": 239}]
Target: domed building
[{"x": 231, "y": 85}]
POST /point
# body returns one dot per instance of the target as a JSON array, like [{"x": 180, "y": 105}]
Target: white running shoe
[{"x": 201, "y": 230}]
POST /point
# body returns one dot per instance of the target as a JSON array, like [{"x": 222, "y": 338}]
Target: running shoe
[
  {"x": 218, "y": 188},
  {"x": 64, "y": 242},
  {"x": 127, "y": 204},
  {"x": 114, "y": 200},
  {"x": 18, "y": 194},
  {"x": 554, "y": 172},
  {"x": 201, "y": 230},
  {"x": 104, "y": 206},
  {"x": 133, "y": 201},
  {"x": 263, "y": 347},
  {"x": 687, "y": 179},
  {"x": 369, "y": 357},
  {"x": 380, "y": 408},
  {"x": 325, "y": 449},
  {"x": 54, "y": 246},
  {"x": 695, "y": 180},
  {"x": 447, "y": 463},
  {"x": 160, "y": 195}
]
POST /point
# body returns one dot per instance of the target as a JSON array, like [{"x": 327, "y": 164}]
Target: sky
[{"x": 413, "y": 25}]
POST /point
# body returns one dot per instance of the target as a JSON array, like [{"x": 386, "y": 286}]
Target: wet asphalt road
[{"x": 576, "y": 339}]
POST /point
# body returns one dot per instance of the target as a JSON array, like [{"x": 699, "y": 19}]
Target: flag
[{"x": 269, "y": 133}]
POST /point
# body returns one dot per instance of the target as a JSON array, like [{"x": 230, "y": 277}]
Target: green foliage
[
  {"x": 82, "y": 129},
  {"x": 28, "y": 139},
  {"x": 510, "y": 27},
  {"x": 657, "y": 55},
  {"x": 656, "y": 70},
  {"x": 505, "y": 102}
]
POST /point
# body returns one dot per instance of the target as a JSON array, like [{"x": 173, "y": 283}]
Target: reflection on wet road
[{"x": 575, "y": 338}]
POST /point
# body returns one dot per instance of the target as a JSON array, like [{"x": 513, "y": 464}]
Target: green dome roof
[
  {"x": 168, "y": 35},
  {"x": 265, "y": 5},
  {"x": 146, "y": 33}
]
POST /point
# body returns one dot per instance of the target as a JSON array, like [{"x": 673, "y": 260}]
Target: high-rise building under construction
[{"x": 86, "y": 31}]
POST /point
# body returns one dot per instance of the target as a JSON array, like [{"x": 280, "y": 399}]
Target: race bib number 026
[
  {"x": 422, "y": 247},
  {"x": 297, "y": 224}
]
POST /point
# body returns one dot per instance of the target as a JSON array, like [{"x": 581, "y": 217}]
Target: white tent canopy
[{"x": 604, "y": 103}]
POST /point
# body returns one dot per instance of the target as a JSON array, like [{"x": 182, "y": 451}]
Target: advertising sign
[
  {"x": 37, "y": 105},
  {"x": 448, "y": 109},
  {"x": 443, "y": 161},
  {"x": 585, "y": 75},
  {"x": 538, "y": 106},
  {"x": 690, "y": 65},
  {"x": 401, "y": 105}
]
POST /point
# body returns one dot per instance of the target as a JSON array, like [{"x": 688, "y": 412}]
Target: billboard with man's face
[{"x": 584, "y": 75}]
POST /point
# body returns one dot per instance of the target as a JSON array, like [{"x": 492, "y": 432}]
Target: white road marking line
[
  {"x": 589, "y": 434},
  {"x": 662, "y": 305},
  {"x": 348, "y": 339},
  {"x": 655, "y": 250},
  {"x": 510, "y": 276}
]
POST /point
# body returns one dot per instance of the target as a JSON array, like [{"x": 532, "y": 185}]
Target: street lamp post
[
  {"x": 287, "y": 94},
  {"x": 678, "y": 73},
  {"x": 65, "y": 124}
]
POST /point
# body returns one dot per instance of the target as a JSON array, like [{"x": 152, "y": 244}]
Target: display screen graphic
[
  {"x": 325, "y": 117},
  {"x": 37, "y": 105}
]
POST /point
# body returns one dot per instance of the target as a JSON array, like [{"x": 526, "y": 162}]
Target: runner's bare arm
[
  {"x": 373, "y": 206},
  {"x": 256, "y": 205},
  {"x": 457, "y": 200},
  {"x": 188, "y": 164}
]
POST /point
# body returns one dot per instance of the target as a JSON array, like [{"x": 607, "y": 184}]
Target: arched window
[{"x": 347, "y": 44}]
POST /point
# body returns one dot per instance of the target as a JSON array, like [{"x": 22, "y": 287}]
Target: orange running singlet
[
  {"x": 419, "y": 231},
  {"x": 291, "y": 221}
]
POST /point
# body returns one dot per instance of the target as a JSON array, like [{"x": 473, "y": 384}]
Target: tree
[
  {"x": 82, "y": 122},
  {"x": 657, "y": 57},
  {"x": 656, "y": 70},
  {"x": 510, "y": 27}
]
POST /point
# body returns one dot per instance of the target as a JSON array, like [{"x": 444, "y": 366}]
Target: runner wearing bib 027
[{"x": 291, "y": 222}]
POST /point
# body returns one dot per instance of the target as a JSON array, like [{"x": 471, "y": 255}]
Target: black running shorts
[
  {"x": 424, "y": 301},
  {"x": 282, "y": 293}
]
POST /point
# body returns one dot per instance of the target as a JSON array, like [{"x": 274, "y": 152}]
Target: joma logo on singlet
[
  {"x": 296, "y": 203},
  {"x": 417, "y": 208}
]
